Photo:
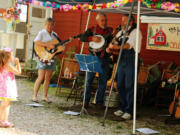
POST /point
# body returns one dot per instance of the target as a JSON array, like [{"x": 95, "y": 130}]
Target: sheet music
[
  {"x": 147, "y": 131},
  {"x": 89, "y": 63}
]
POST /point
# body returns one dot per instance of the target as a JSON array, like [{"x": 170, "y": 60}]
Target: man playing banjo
[{"x": 94, "y": 37}]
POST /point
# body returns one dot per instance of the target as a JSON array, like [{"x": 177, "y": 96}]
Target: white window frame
[
  {"x": 165, "y": 20},
  {"x": 162, "y": 38}
]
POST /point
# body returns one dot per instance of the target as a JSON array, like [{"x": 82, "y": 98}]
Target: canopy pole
[
  {"x": 82, "y": 47},
  {"x": 87, "y": 24},
  {"x": 136, "y": 67},
  {"x": 83, "y": 110}
]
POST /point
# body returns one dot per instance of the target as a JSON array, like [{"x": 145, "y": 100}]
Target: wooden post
[
  {"x": 14, "y": 2},
  {"x": 27, "y": 32},
  {"x": 59, "y": 78}
]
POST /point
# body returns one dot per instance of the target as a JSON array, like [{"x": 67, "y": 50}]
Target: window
[
  {"x": 160, "y": 39},
  {"x": 38, "y": 12},
  {"x": 160, "y": 33},
  {"x": 23, "y": 14}
]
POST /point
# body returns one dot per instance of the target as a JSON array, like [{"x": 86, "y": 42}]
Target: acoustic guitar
[
  {"x": 119, "y": 39},
  {"x": 174, "y": 108},
  {"x": 46, "y": 55},
  {"x": 115, "y": 50}
]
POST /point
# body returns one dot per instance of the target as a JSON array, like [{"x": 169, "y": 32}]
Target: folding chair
[{"x": 69, "y": 71}]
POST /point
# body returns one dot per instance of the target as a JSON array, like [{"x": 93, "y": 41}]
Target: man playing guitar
[
  {"x": 90, "y": 36},
  {"x": 125, "y": 72}
]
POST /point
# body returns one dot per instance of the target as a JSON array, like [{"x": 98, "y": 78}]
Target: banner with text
[{"x": 163, "y": 37}]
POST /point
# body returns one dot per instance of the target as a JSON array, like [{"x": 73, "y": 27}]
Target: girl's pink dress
[{"x": 8, "y": 89}]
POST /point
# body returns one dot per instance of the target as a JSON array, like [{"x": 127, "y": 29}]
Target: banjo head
[{"x": 97, "y": 46}]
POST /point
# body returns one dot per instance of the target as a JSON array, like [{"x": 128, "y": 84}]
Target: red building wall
[{"x": 73, "y": 22}]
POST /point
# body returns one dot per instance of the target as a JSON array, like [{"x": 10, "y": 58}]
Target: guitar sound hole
[{"x": 53, "y": 50}]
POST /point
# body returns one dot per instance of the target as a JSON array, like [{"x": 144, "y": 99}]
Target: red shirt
[{"x": 100, "y": 31}]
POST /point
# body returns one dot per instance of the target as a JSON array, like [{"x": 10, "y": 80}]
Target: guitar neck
[
  {"x": 62, "y": 43},
  {"x": 154, "y": 65},
  {"x": 66, "y": 41}
]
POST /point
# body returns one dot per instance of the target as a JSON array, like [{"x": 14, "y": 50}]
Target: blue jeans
[
  {"x": 125, "y": 80},
  {"x": 102, "y": 81}
]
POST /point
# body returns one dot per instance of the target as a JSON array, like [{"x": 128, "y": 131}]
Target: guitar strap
[
  {"x": 122, "y": 33},
  {"x": 57, "y": 37},
  {"x": 94, "y": 30},
  {"x": 106, "y": 36},
  {"x": 32, "y": 55},
  {"x": 132, "y": 28},
  {"x": 94, "y": 33}
]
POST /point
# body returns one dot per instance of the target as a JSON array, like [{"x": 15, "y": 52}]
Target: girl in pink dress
[{"x": 8, "y": 90}]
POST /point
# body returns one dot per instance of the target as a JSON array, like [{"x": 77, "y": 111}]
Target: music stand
[{"x": 87, "y": 63}]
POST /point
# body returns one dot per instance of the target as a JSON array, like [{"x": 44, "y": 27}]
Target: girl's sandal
[{"x": 7, "y": 124}]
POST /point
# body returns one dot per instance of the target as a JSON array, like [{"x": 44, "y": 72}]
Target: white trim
[{"x": 166, "y": 20}]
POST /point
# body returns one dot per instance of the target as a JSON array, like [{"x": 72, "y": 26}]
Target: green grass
[
  {"x": 51, "y": 91},
  {"x": 119, "y": 127}
]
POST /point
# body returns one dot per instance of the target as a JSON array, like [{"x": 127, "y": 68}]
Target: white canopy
[{"x": 144, "y": 11}]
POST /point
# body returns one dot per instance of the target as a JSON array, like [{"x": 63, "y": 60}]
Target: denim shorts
[{"x": 51, "y": 66}]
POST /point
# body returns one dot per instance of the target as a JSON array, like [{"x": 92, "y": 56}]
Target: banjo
[{"x": 95, "y": 47}]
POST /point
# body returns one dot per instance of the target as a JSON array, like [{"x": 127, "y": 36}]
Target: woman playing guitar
[{"x": 42, "y": 40}]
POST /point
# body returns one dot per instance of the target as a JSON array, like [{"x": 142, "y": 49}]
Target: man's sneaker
[
  {"x": 126, "y": 116},
  {"x": 118, "y": 113}
]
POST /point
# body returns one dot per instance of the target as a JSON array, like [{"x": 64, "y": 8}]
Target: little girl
[{"x": 8, "y": 91}]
